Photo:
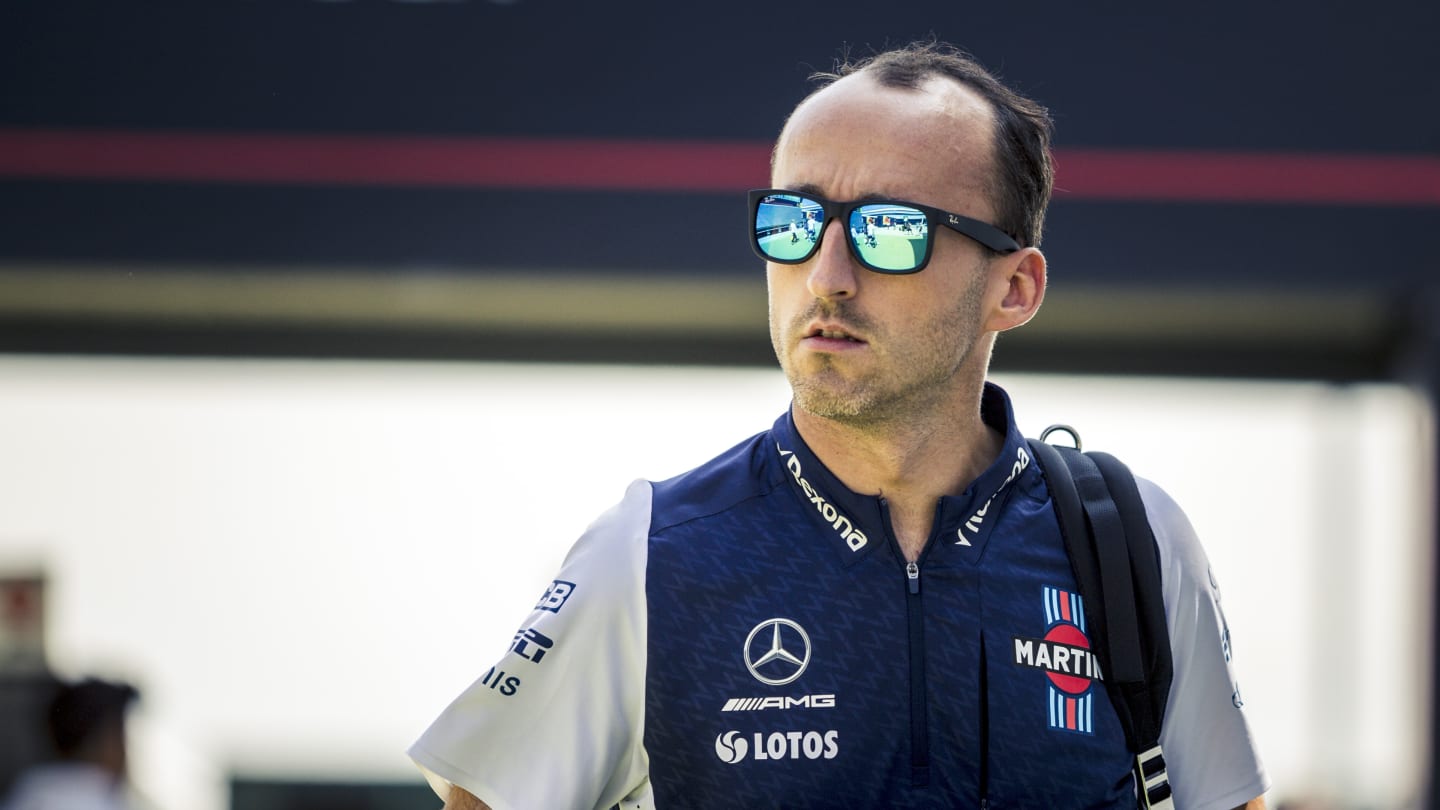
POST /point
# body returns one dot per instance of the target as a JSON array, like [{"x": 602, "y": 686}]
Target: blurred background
[{"x": 326, "y": 326}]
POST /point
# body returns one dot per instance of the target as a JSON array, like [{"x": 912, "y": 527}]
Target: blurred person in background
[{"x": 86, "y": 724}]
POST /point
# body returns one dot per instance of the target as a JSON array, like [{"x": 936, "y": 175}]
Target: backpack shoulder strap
[{"x": 1116, "y": 564}]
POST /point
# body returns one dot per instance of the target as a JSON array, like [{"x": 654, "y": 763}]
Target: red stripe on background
[
  {"x": 385, "y": 161},
  {"x": 693, "y": 166},
  {"x": 1247, "y": 177}
]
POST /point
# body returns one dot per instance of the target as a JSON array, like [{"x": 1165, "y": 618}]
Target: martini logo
[{"x": 1063, "y": 654}]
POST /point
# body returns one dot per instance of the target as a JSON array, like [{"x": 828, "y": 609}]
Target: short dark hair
[
  {"x": 1024, "y": 170},
  {"x": 79, "y": 711}
]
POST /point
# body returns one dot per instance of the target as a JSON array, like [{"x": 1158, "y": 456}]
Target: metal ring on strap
[{"x": 1074, "y": 434}]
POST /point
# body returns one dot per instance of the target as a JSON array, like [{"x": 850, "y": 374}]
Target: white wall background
[{"x": 301, "y": 563}]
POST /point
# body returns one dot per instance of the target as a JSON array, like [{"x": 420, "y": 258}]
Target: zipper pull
[{"x": 912, "y": 572}]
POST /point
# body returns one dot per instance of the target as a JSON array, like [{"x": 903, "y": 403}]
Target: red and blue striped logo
[
  {"x": 1072, "y": 701},
  {"x": 1064, "y": 654}
]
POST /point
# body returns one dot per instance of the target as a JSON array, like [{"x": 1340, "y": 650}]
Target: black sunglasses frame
[{"x": 982, "y": 232}]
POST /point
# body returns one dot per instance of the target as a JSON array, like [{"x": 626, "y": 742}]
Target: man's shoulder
[
  {"x": 1173, "y": 531},
  {"x": 735, "y": 476}
]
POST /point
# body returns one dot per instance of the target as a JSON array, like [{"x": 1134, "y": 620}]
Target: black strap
[
  {"x": 1076, "y": 534},
  {"x": 1113, "y": 554},
  {"x": 1148, "y": 707},
  {"x": 1117, "y": 588}
]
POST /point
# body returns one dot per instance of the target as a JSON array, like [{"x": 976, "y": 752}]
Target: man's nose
[{"x": 833, "y": 271}]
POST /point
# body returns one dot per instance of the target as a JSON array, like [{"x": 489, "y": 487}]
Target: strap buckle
[
  {"x": 1152, "y": 783},
  {"x": 1074, "y": 434}
]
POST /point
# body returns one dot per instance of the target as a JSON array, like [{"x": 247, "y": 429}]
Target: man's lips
[{"x": 830, "y": 336}]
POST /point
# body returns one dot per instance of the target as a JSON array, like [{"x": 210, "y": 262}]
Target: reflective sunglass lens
[
  {"x": 890, "y": 237},
  {"x": 787, "y": 227}
]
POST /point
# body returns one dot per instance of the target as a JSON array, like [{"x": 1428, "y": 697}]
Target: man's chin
[{"x": 844, "y": 404}]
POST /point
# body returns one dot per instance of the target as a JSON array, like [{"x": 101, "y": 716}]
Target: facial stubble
[{"x": 917, "y": 372}]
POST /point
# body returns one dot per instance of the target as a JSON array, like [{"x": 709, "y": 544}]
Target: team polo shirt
[{"x": 749, "y": 634}]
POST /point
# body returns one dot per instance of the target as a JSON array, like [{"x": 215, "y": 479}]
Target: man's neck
[{"x": 911, "y": 464}]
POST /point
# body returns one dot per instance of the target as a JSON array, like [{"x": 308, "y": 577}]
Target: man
[
  {"x": 869, "y": 605},
  {"x": 86, "y": 721}
]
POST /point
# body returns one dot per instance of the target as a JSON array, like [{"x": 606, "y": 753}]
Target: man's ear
[{"x": 1020, "y": 279}]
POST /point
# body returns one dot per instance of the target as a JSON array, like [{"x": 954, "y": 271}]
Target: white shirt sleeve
[
  {"x": 559, "y": 720},
  {"x": 1210, "y": 753}
]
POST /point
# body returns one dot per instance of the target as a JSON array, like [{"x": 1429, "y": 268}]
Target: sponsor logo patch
[
  {"x": 839, "y": 521},
  {"x": 1022, "y": 463},
  {"x": 531, "y": 644},
  {"x": 1064, "y": 655},
  {"x": 733, "y": 747},
  {"x": 777, "y": 651},
  {"x": 499, "y": 681},
  {"x": 555, "y": 596},
  {"x": 755, "y": 704}
]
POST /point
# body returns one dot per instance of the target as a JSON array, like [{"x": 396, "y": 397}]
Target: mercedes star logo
[{"x": 779, "y": 664}]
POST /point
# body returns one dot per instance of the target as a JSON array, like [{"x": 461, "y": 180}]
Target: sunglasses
[{"x": 887, "y": 236}]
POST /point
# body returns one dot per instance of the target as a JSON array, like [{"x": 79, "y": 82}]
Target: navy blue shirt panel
[{"x": 788, "y": 643}]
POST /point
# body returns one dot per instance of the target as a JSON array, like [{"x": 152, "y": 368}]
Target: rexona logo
[
  {"x": 842, "y": 524},
  {"x": 733, "y": 746},
  {"x": 1022, "y": 462}
]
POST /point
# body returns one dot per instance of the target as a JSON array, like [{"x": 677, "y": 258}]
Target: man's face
[{"x": 862, "y": 347}]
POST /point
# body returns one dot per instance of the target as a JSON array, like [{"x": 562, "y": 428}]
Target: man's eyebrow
[
  {"x": 808, "y": 188},
  {"x": 814, "y": 190}
]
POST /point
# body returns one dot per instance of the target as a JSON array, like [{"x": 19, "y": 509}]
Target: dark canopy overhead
[{"x": 1245, "y": 189}]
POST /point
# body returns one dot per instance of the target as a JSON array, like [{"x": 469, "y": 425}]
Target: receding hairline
[
  {"x": 1022, "y": 172},
  {"x": 991, "y": 182},
  {"x": 974, "y": 97}
]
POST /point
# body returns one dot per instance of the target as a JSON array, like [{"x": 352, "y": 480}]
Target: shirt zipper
[
  {"x": 915, "y": 620},
  {"x": 919, "y": 708},
  {"x": 984, "y": 727}
]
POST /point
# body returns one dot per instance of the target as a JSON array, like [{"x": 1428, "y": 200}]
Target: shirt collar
[
  {"x": 966, "y": 520},
  {"x": 855, "y": 524}
]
